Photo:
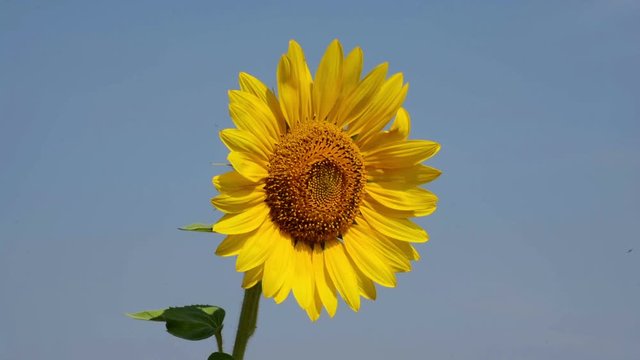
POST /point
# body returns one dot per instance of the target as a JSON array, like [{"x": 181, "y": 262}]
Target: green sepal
[
  {"x": 198, "y": 227},
  {"x": 193, "y": 322},
  {"x": 220, "y": 356}
]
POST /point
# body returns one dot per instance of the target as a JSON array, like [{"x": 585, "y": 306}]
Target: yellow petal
[
  {"x": 356, "y": 103},
  {"x": 407, "y": 249},
  {"x": 257, "y": 248},
  {"x": 314, "y": 309},
  {"x": 395, "y": 228},
  {"x": 251, "y": 277},
  {"x": 352, "y": 70},
  {"x": 328, "y": 81},
  {"x": 418, "y": 201},
  {"x": 385, "y": 211},
  {"x": 401, "y": 154},
  {"x": 285, "y": 289},
  {"x": 243, "y": 222},
  {"x": 366, "y": 255},
  {"x": 399, "y": 130},
  {"x": 324, "y": 286},
  {"x": 276, "y": 267},
  {"x": 235, "y": 204},
  {"x": 234, "y": 184},
  {"x": 245, "y": 120},
  {"x": 250, "y": 84},
  {"x": 231, "y": 182},
  {"x": 402, "y": 178},
  {"x": 243, "y": 141},
  {"x": 382, "y": 108},
  {"x": 262, "y": 116},
  {"x": 303, "y": 276},
  {"x": 342, "y": 273},
  {"x": 251, "y": 167},
  {"x": 288, "y": 273},
  {"x": 384, "y": 248},
  {"x": 232, "y": 245},
  {"x": 288, "y": 92},
  {"x": 299, "y": 64},
  {"x": 365, "y": 285},
  {"x": 402, "y": 124},
  {"x": 294, "y": 85}
]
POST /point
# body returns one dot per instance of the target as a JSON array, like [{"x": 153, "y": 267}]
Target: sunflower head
[
  {"x": 315, "y": 183},
  {"x": 322, "y": 192}
]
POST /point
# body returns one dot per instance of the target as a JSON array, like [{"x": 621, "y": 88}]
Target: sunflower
[{"x": 322, "y": 189}]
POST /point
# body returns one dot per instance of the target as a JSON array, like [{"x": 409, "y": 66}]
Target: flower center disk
[{"x": 315, "y": 183}]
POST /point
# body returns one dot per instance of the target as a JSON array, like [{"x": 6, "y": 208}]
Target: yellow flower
[{"x": 320, "y": 196}]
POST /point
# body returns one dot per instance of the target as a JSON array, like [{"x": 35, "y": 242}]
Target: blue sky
[{"x": 109, "y": 113}]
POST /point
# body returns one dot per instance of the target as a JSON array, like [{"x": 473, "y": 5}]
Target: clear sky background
[{"x": 109, "y": 113}]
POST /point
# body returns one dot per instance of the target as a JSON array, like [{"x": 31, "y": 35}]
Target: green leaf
[
  {"x": 193, "y": 322},
  {"x": 198, "y": 227},
  {"x": 220, "y": 356},
  {"x": 152, "y": 315}
]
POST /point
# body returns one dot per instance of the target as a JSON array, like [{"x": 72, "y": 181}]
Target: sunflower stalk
[{"x": 248, "y": 320}]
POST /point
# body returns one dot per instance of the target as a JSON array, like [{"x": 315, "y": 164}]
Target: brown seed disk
[{"x": 315, "y": 183}]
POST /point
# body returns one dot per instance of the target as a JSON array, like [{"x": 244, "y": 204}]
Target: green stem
[
  {"x": 248, "y": 319},
  {"x": 219, "y": 339}
]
